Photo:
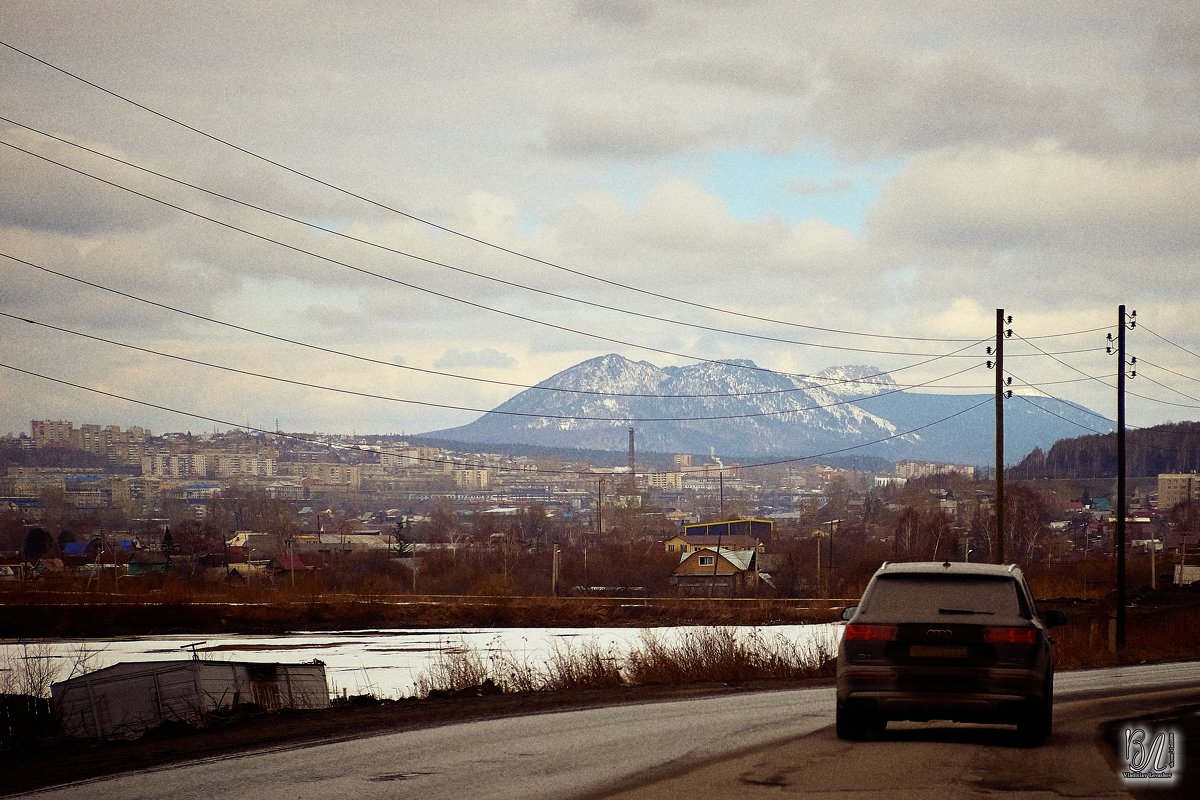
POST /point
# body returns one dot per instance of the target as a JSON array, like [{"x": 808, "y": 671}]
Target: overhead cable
[
  {"x": 533, "y": 320},
  {"x": 428, "y": 404},
  {"x": 308, "y": 440},
  {"x": 445, "y": 265},
  {"x": 461, "y": 234},
  {"x": 799, "y": 376}
]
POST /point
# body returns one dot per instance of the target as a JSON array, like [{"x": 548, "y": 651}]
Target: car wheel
[
  {"x": 1035, "y": 726},
  {"x": 855, "y": 723}
]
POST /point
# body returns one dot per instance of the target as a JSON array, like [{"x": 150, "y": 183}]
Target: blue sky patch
[{"x": 797, "y": 186}]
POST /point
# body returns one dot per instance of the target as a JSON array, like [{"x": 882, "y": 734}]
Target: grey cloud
[
  {"x": 487, "y": 357},
  {"x": 1051, "y": 199},
  {"x": 882, "y": 104},
  {"x": 602, "y": 126},
  {"x": 619, "y": 13},
  {"x": 783, "y": 74}
]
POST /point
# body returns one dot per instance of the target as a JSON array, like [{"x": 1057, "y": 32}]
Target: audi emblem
[{"x": 939, "y": 633}]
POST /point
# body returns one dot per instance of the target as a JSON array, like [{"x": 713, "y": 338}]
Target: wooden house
[{"x": 710, "y": 572}]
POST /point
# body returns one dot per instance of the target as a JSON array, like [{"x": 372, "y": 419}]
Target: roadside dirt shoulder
[{"x": 66, "y": 761}]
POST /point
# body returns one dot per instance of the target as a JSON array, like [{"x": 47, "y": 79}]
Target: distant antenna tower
[{"x": 632, "y": 465}]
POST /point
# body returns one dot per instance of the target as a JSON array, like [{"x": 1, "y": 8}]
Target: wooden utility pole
[
  {"x": 998, "y": 550},
  {"x": 599, "y": 506},
  {"x": 1119, "y": 623}
]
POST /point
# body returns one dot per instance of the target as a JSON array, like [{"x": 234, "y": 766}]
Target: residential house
[
  {"x": 147, "y": 562},
  {"x": 690, "y": 544},
  {"x": 710, "y": 572},
  {"x": 759, "y": 529}
]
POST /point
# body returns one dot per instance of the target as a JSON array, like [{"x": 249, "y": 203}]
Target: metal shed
[{"x": 126, "y": 700}]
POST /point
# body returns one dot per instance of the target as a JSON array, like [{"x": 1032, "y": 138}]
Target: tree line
[{"x": 1150, "y": 451}]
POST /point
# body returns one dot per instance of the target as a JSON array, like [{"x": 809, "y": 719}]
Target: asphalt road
[{"x": 740, "y": 746}]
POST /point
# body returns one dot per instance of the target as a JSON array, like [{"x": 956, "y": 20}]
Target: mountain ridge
[{"x": 739, "y": 409}]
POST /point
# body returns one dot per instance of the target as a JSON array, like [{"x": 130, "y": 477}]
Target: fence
[{"x": 25, "y": 720}]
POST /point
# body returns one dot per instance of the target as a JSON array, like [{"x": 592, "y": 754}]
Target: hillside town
[{"x": 120, "y": 504}]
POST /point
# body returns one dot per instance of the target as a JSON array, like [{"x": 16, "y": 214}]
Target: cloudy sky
[{"x": 469, "y": 197}]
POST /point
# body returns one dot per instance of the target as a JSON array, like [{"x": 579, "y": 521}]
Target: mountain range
[{"x": 737, "y": 409}]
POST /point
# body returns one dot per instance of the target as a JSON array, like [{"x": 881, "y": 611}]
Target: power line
[
  {"x": 1110, "y": 386},
  {"x": 434, "y": 292},
  {"x": 1165, "y": 369},
  {"x": 1193, "y": 353},
  {"x": 444, "y": 265},
  {"x": 1054, "y": 356},
  {"x": 443, "y": 228},
  {"x": 1052, "y": 413},
  {"x": 1142, "y": 374},
  {"x": 428, "y": 404},
  {"x": 816, "y": 385},
  {"x": 360, "y": 448},
  {"x": 869, "y": 444},
  {"x": 533, "y": 320}
]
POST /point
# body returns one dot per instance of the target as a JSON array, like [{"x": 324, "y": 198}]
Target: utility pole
[
  {"x": 599, "y": 506},
  {"x": 1001, "y": 333},
  {"x": 554, "y": 571},
  {"x": 833, "y": 523},
  {"x": 1119, "y": 622},
  {"x": 721, "y": 484},
  {"x": 632, "y": 459}
]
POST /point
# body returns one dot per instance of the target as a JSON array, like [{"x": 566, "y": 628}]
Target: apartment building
[
  {"x": 326, "y": 474},
  {"x": 472, "y": 478},
  {"x": 50, "y": 433},
  {"x": 407, "y": 457},
  {"x": 909, "y": 469},
  {"x": 1176, "y": 487},
  {"x": 176, "y": 465},
  {"x": 665, "y": 481},
  {"x": 123, "y": 447},
  {"x": 240, "y": 465}
]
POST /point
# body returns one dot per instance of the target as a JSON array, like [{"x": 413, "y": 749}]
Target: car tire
[
  {"x": 854, "y": 724},
  {"x": 1035, "y": 726}
]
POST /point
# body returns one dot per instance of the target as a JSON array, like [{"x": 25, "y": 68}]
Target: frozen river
[{"x": 384, "y": 663}]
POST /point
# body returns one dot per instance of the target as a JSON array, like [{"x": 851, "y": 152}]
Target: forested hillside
[{"x": 1148, "y": 451}]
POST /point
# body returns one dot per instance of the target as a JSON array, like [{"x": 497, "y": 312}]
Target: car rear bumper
[{"x": 989, "y": 695}]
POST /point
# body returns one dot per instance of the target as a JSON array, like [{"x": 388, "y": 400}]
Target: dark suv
[{"x": 952, "y": 641}]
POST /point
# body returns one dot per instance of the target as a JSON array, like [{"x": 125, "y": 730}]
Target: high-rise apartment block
[{"x": 1176, "y": 487}]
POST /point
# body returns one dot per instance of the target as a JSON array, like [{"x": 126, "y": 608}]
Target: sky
[{"x": 389, "y": 217}]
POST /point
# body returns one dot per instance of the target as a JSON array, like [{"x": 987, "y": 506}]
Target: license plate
[{"x": 937, "y": 651}]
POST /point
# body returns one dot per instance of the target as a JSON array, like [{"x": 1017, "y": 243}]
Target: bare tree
[{"x": 1027, "y": 516}]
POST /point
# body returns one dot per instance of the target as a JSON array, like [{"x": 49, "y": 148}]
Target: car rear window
[{"x": 946, "y": 595}]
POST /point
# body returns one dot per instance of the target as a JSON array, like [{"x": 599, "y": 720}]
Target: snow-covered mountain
[{"x": 741, "y": 410}]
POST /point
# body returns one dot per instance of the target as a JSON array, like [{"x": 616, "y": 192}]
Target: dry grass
[
  {"x": 720, "y": 654},
  {"x": 728, "y": 655}
]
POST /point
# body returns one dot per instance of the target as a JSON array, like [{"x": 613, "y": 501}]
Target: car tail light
[
  {"x": 1010, "y": 635},
  {"x": 869, "y": 633}
]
